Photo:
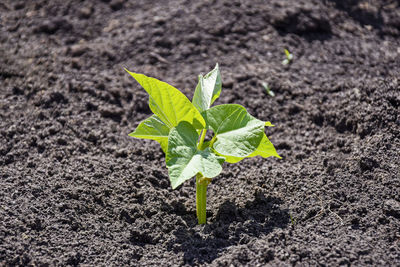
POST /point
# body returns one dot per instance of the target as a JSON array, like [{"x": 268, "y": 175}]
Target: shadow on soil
[
  {"x": 232, "y": 226},
  {"x": 360, "y": 12}
]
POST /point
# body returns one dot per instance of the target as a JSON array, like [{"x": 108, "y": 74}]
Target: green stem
[
  {"x": 201, "y": 198},
  {"x": 202, "y": 136},
  {"x": 201, "y": 188},
  {"x": 213, "y": 140}
]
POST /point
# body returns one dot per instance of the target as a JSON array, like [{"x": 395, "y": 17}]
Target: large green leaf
[
  {"x": 168, "y": 103},
  {"x": 155, "y": 129},
  {"x": 207, "y": 90},
  {"x": 184, "y": 160},
  {"x": 265, "y": 149},
  {"x": 237, "y": 133}
]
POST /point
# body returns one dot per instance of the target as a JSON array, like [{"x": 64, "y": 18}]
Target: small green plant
[
  {"x": 180, "y": 127},
  {"x": 268, "y": 89},
  {"x": 293, "y": 219},
  {"x": 288, "y": 58}
]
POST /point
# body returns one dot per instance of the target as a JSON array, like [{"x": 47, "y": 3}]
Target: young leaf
[
  {"x": 268, "y": 89},
  {"x": 288, "y": 58},
  {"x": 265, "y": 149},
  {"x": 168, "y": 103},
  {"x": 237, "y": 133},
  {"x": 184, "y": 160},
  {"x": 155, "y": 129},
  {"x": 207, "y": 90}
]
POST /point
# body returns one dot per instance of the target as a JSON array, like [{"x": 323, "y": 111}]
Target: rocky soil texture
[{"x": 76, "y": 190}]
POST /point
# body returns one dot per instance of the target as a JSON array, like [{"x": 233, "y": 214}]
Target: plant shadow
[{"x": 231, "y": 226}]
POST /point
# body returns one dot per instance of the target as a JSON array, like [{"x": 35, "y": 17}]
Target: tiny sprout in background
[
  {"x": 288, "y": 58},
  {"x": 268, "y": 89}
]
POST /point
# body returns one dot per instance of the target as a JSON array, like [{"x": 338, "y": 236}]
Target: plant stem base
[{"x": 201, "y": 198}]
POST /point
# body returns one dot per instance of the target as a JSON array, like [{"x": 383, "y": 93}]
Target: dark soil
[{"x": 76, "y": 190}]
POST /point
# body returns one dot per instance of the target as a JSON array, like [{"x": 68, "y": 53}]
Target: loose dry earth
[{"x": 76, "y": 190}]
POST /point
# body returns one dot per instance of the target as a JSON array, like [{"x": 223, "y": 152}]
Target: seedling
[
  {"x": 180, "y": 127},
  {"x": 288, "y": 58},
  {"x": 293, "y": 219},
  {"x": 267, "y": 89}
]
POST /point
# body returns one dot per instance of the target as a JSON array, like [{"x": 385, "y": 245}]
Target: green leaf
[
  {"x": 185, "y": 160},
  {"x": 155, "y": 129},
  {"x": 168, "y": 103},
  {"x": 237, "y": 133},
  {"x": 288, "y": 55},
  {"x": 265, "y": 149},
  {"x": 207, "y": 90}
]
